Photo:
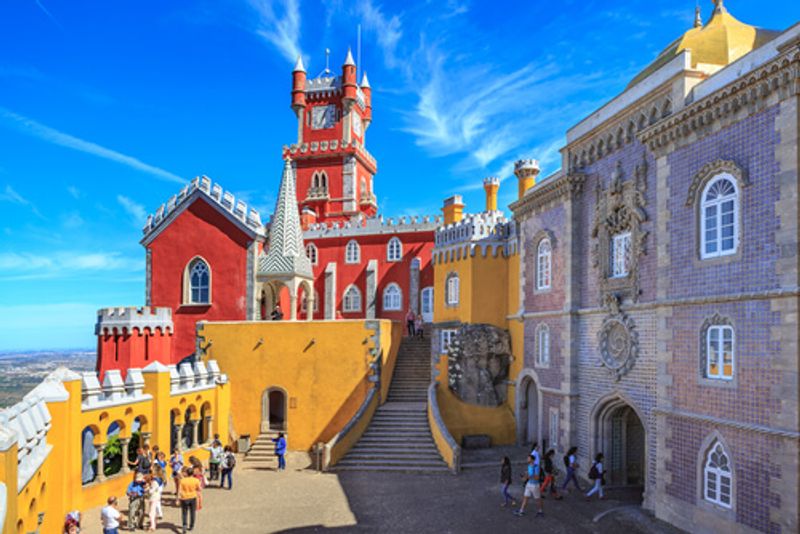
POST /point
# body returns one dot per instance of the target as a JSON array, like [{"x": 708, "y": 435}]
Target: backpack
[
  {"x": 566, "y": 460},
  {"x": 593, "y": 474},
  {"x": 144, "y": 464},
  {"x": 230, "y": 461}
]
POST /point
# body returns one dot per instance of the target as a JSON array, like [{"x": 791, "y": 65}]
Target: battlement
[
  {"x": 329, "y": 146},
  {"x": 195, "y": 377},
  {"x": 201, "y": 185},
  {"x": 526, "y": 167},
  {"x": 491, "y": 181},
  {"x": 376, "y": 225},
  {"x": 127, "y": 318},
  {"x": 492, "y": 225}
]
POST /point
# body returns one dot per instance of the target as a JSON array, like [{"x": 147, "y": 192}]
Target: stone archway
[
  {"x": 274, "y": 404},
  {"x": 619, "y": 433},
  {"x": 528, "y": 402}
]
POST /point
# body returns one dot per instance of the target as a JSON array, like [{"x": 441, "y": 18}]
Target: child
[{"x": 505, "y": 482}]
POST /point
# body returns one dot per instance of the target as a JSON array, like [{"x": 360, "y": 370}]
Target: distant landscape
[{"x": 21, "y": 371}]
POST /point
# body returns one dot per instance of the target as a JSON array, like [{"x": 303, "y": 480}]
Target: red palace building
[{"x": 206, "y": 251}]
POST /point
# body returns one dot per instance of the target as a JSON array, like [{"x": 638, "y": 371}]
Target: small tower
[
  {"x": 526, "y": 170},
  {"x": 366, "y": 89},
  {"x": 491, "y": 186},
  {"x": 349, "y": 82},
  {"x": 133, "y": 338}
]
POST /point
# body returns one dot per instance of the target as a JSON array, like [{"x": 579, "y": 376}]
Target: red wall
[
  {"x": 199, "y": 231},
  {"x": 135, "y": 349}
]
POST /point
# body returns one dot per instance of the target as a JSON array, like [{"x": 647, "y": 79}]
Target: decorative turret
[
  {"x": 367, "y": 91},
  {"x": 349, "y": 82},
  {"x": 133, "y": 337},
  {"x": 491, "y": 185},
  {"x": 299, "y": 86},
  {"x": 526, "y": 170},
  {"x": 453, "y": 209}
]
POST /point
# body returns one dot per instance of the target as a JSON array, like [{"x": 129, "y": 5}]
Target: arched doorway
[
  {"x": 527, "y": 410},
  {"x": 273, "y": 409},
  {"x": 620, "y": 435}
]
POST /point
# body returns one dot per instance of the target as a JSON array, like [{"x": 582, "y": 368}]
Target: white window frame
[
  {"x": 543, "y": 345},
  {"x": 453, "y": 290},
  {"x": 189, "y": 288},
  {"x": 716, "y": 205},
  {"x": 394, "y": 250},
  {"x": 715, "y": 334},
  {"x": 352, "y": 252},
  {"x": 544, "y": 263},
  {"x": 554, "y": 428},
  {"x": 351, "y": 299},
  {"x": 717, "y": 479},
  {"x": 312, "y": 253},
  {"x": 446, "y": 336},
  {"x": 620, "y": 254},
  {"x": 392, "y": 298}
]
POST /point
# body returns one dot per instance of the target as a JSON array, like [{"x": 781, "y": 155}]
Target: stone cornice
[{"x": 548, "y": 192}]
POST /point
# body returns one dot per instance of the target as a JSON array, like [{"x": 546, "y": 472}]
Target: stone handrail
[
  {"x": 447, "y": 446},
  {"x": 352, "y": 431}
]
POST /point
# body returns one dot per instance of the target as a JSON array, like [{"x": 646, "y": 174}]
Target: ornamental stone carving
[
  {"x": 619, "y": 209},
  {"x": 478, "y": 362},
  {"x": 710, "y": 170},
  {"x": 619, "y": 341}
]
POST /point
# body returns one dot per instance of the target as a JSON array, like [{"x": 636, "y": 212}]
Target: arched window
[
  {"x": 198, "y": 282},
  {"x": 392, "y": 298},
  {"x": 394, "y": 250},
  {"x": 543, "y": 345},
  {"x": 717, "y": 477},
  {"x": 453, "y": 289},
  {"x": 352, "y": 300},
  {"x": 352, "y": 253},
  {"x": 543, "y": 264},
  {"x": 719, "y": 217},
  {"x": 719, "y": 353},
  {"x": 311, "y": 252}
]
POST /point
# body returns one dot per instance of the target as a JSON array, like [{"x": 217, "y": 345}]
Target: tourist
[
  {"x": 143, "y": 463},
  {"x": 505, "y": 482},
  {"x": 215, "y": 458},
  {"x": 160, "y": 476},
  {"x": 198, "y": 473},
  {"x": 418, "y": 326},
  {"x": 532, "y": 489},
  {"x": 410, "y": 323},
  {"x": 227, "y": 464},
  {"x": 596, "y": 473},
  {"x": 176, "y": 464},
  {"x": 72, "y": 523},
  {"x": 161, "y": 460},
  {"x": 277, "y": 314},
  {"x": 109, "y": 517},
  {"x": 550, "y": 475},
  {"x": 188, "y": 491},
  {"x": 535, "y": 453},
  {"x": 571, "y": 463},
  {"x": 280, "y": 450},
  {"x": 154, "y": 488},
  {"x": 136, "y": 492}
]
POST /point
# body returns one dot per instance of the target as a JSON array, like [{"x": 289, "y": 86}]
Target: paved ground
[{"x": 300, "y": 500}]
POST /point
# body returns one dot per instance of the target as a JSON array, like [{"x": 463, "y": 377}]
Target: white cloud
[
  {"x": 9, "y": 194},
  {"x": 51, "y": 135},
  {"x": 63, "y": 264},
  {"x": 134, "y": 209},
  {"x": 388, "y": 30},
  {"x": 279, "y": 25},
  {"x": 72, "y": 220},
  {"x": 74, "y": 192}
]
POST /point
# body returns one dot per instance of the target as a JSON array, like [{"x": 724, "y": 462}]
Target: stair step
[
  {"x": 395, "y": 469},
  {"x": 399, "y": 462}
]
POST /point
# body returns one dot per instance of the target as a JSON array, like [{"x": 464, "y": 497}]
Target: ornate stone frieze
[
  {"x": 478, "y": 364},
  {"x": 710, "y": 170},
  {"x": 542, "y": 194},
  {"x": 619, "y": 209},
  {"x": 619, "y": 341}
]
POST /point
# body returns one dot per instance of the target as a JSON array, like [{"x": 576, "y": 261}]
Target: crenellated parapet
[
  {"x": 126, "y": 319},
  {"x": 329, "y": 147},
  {"x": 202, "y": 186},
  {"x": 113, "y": 391},
  {"x": 370, "y": 226},
  {"x": 488, "y": 231},
  {"x": 197, "y": 376}
]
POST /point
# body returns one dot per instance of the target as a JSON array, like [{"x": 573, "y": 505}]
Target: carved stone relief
[
  {"x": 619, "y": 341},
  {"x": 478, "y": 363}
]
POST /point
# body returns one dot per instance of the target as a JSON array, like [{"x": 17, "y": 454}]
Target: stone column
[
  {"x": 413, "y": 286},
  {"x": 125, "y": 442},
  {"x": 100, "y": 475},
  {"x": 146, "y": 438},
  {"x": 293, "y": 306},
  {"x": 330, "y": 291},
  {"x": 372, "y": 289},
  {"x": 195, "y": 424},
  {"x": 179, "y": 433},
  {"x": 209, "y": 428}
]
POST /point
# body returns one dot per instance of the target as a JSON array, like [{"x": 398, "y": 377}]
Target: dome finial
[{"x": 698, "y": 20}]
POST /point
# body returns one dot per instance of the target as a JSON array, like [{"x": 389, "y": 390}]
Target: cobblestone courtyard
[{"x": 301, "y": 500}]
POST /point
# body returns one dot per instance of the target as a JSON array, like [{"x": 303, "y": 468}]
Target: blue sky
[{"x": 106, "y": 108}]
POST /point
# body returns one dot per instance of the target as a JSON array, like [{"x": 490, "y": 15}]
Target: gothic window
[
  {"x": 543, "y": 264},
  {"x": 717, "y": 477},
  {"x": 620, "y": 254},
  {"x": 394, "y": 250},
  {"x": 352, "y": 253},
  {"x": 352, "y": 300},
  {"x": 392, "y": 298},
  {"x": 453, "y": 289},
  {"x": 719, "y": 217},
  {"x": 198, "y": 282},
  {"x": 311, "y": 252},
  {"x": 447, "y": 336},
  {"x": 543, "y": 345},
  {"x": 719, "y": 352}
]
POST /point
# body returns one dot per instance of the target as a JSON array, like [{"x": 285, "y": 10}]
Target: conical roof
[{"x": 286, "y": 255}]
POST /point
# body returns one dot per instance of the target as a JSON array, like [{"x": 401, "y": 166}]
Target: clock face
[
  {"x": 356, "y": 123},
  {"x": 323, "y": 117}
]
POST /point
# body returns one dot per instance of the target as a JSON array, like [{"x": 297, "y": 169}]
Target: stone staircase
[
  {"x": 262, "y": 453},
  {"x": 398, "y": 437}
]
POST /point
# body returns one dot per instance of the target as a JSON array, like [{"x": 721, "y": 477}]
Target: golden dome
[{"x": 720, "y": 42}]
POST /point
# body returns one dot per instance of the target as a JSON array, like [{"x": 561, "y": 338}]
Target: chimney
[
  {"x": 491, "y": 185},
  {"x": 453, "y": 209}
]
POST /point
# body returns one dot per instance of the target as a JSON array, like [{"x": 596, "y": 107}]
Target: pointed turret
[
  {"x": 367, "y": 90},
  {"x": 349, "y": 78},
  {"x": 365, "y": 81},
  {"x": 349, "y": 59},
  {"x": 299, "y": 86},
  {"x": 299, "y": 67},
  {"x": 698, "y": 20}
]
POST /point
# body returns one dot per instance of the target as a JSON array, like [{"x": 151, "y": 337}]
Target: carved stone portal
[
  {"x": 478, "y": 362},
  {"x": 619, "y": 341}
]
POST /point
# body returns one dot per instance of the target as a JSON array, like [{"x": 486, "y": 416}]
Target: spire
[
  {"x": 364, "y": 80},
  {"x": 349, "y": 59},
  {"x": 719, "y": 7},
  {"x": 698, "y": 20},
  {"x": 298, "y": 67},
  {"x": 286, "y": 256}
]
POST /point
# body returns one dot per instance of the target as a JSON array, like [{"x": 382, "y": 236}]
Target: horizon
[{"x": 105, "y": 111}]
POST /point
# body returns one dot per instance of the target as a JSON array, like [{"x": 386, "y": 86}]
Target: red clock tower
[{"x": 333, "y": 168}]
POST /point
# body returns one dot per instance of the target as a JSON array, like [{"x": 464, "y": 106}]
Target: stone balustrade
[
  {"x": 195, "y": 377},
  {"x": 376, "y": 225},
  {"x": 113, "y": 391}
]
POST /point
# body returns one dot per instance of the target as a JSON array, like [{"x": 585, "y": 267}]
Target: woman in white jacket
[{"x": 154, "y": 488}]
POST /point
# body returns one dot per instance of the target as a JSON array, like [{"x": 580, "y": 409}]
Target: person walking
[
  {"x": 215, "y": 458},
  {"x": 532, "y": 489},
  {"x": 176, "y": 464},
  {"x": 280, "y": 450},
  {"x": 188, "y": 492},
  {"x": 505, "y": 482},
  {"x": 136, "y": 492},
  {"x": 550, "y": 475},
  {"x": 228, "y": 463},
  {"x": 537, "y": 459},
  {"x": 571, "y": 463},
  {"x": 596, "y": 474},
  {"x": 410, "y": 323},
  {"x": 418, "y": 326},
  {"x": 198, "y": 473},
  {"x": 154, "y": 513},
  {"x": 109, "y": 516}
]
